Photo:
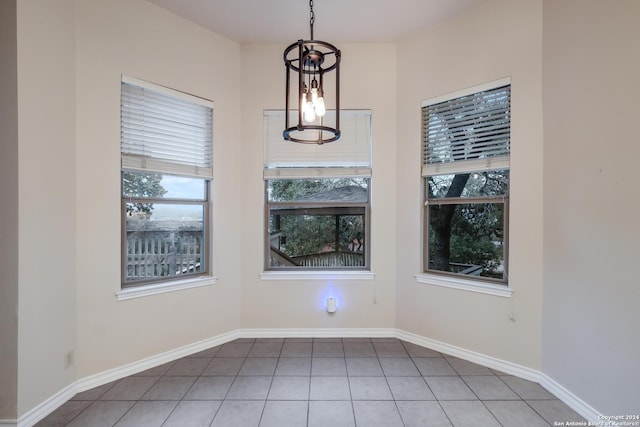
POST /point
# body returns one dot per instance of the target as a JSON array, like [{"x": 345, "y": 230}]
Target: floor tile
[
  {"x": 420, "y": 414},
  {"x": 385, "y": 339},
  {"x": 298, "y": 339},
  {"x": 464, "y": 367},
  {"x": 363, "y": 366},
  {"x": 331, "y": 413},
  {"x": 377, "y": 414},
  {"x": 489, "y": 388},
  {"x": 399, "y": 367},
  {"x": 169, "y": 388},
  {"x": 369, "y": 388},
  {"x": 359, "y": 349},
  {"x": 94, "y": 393},
  {"x": 418, "y": 351},
  {"x": 327, "y": 339},
  {"x": 247, "y": 388},
  {"x": 390, "y": 349},
  {"x": 193, "y": 414},
  {"x": 293, "y": 366},
  {"x": 157, "y": 371},
  {"x": 315, "y": 382},
  {"x": 431, "y": 366},
  {"x": 239, "y": 413},
  {"x": 409, "y": 388},
  {"x": 296, "y": 349},
  {"x": 209, "y": 388},
  {"x": 285, "y": 413},
  {"x": 515, "y": 414},
  {"x": 327, "y": 349},
  {"x": 266, "y": 349},
  {"x": 328, "y": 366},
  {"x": 148, "y": 414},
  {"x": 356, "y": 339},
  {"x": 235, "y": 349},
  {"x": 289, "y": 388},
  {"x": 469, "y": 414},
  {"x": 130, "y": 388},
  {"x": 329, "y": 388},
  {"x": 272, "y": 339},
  {"x": 101, "y": 413},
  {"x": 554, "y": 411},
  {"x": 64, "y": 414},
  {"x": 210, "y": 352},
  {"x": 450, "y": 388},
  {"x": 258, "y": 366},
  {"x": 188, "y": 366},
  {"x": 527, "y": 390},
  {"x": 224, "y": 366}
]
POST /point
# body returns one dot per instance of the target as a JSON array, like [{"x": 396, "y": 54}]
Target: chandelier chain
[{"x": 312, "y": 18}]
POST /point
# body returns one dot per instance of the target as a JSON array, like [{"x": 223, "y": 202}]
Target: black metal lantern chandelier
[{"x": 311, "y": 60}]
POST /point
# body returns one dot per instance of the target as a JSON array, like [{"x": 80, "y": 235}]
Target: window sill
[
  {"x": 464, "y": 284},
  {"x": 319, "y": 275},
  {"x": 164, "y": 287}
]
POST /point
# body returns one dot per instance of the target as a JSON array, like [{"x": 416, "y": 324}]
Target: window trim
[
  {"x": 498, "y": 287},
  {"x": 321, "y": 272},
  {"x": 156, "y": 288},
  {"x": 464, "y": 284},
  {"x": 206, "y": 233},
  {"x": 137, "y": 163}
]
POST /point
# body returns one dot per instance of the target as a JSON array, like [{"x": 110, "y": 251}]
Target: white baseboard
[
  {"x": 153, "y": 361},
  {"x": 472, "y": 356},
  {"x": 55, "y": 401},
  {"x": 47, "y": 407},
  {"x": 570, "y": 399},
  {"x": 319, "y": 333}
]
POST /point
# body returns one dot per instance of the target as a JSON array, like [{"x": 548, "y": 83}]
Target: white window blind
[
  {"x": 165, "y": 131},
  {"x": 468, "y": 132},
  {"x": 348, "y": 156}
]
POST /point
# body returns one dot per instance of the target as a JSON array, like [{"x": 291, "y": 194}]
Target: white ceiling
[{"x": 285, "y": 21}]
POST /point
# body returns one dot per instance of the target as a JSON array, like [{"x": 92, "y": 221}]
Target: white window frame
[
  {"x": 197, "y": 164},
  {"x": 348, "y": 157},
  {"x": 452, "y": 280}
]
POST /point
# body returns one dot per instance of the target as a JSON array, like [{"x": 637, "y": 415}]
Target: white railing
[
  {"x": 162, "y": 254},
  {"x": 331, "y": 259}
]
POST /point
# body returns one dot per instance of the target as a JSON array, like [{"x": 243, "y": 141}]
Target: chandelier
[{"x": 309, "y": 61}]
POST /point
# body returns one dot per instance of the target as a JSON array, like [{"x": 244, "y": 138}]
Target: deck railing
[
  {"x": 331, "y": 259},
  {"x": 162, "y": 254}
]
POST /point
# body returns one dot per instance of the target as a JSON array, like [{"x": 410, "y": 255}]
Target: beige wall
[
  {"x": 496, "y": 39},
  {"x": 151, "y": 44},
  {"x": 592, "y": 226},
  {"x": 299, "y": 304},
  {"x": 9, "y": 237},
  {"x": 47, "y": 198},
  {"x": 60, "y": 167}
]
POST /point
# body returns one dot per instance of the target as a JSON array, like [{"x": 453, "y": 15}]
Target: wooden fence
[
  {"x": 162, "y": 254},
  {"x": 331, "y": 259}
]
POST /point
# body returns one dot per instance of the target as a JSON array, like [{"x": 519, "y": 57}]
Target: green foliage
[
  {"x": 308, "y": 233},
  {"x": 141, "y": 185},
  {"x": 467, "y": 233},
  {"x": 476, "y": 236}
]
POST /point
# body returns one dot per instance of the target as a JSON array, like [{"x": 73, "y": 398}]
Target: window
[
  {"x": 167, "y": 158},
  {"x": 466, "y": 142},
  {"x": 318, "y": 197}
]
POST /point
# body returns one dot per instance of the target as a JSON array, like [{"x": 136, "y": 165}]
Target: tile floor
[{"x": 315, "y": 382}]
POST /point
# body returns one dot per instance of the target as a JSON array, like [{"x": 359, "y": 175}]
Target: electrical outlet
[{"x": 68, "y": 359}]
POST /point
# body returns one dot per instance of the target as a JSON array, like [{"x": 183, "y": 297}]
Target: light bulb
[
  {"x": 319, "y": 107},
  {"x": 309, "y": 113}
]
